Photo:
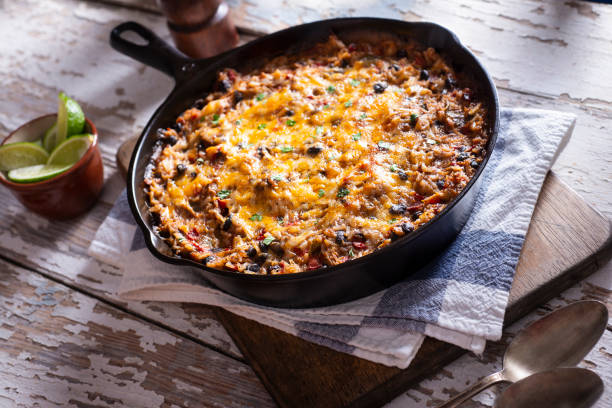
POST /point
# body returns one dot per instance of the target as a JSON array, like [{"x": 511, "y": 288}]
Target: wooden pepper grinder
[{"x": 200, "y": 28}]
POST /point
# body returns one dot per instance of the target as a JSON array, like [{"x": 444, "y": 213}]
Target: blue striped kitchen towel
[{"x": 459, "y": 298}]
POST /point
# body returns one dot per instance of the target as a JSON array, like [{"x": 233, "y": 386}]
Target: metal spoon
[
  {"x": 561, "y": 338},
  {"x": 561, "y": 387}
]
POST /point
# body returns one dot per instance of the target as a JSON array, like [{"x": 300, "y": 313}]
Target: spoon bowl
[
  {"x": 558, "y": 388},
  {"x": 559, "y": 339}
]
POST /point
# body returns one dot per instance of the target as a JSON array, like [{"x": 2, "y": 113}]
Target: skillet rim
[{"x": 335, "y": 269}]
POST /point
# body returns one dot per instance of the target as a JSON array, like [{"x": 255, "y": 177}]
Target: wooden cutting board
[{"x": 567, "y": 240}]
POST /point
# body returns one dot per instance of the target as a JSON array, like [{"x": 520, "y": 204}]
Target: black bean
[
  {"x": 401, "y": 53},
  {"x": 276, "y": 247},
  {"x": 238, "y": 96},
  {"x": 340, "y": 237},
  {"x": 275, "y": 268},
  {"x": 199, "y": 104},
  {"x": 263, "y": 247},
  {"x": 474, "y": 164},
  {"x": 440, "y": 184},
  {"x": 178, "y": 126},
  {"x": 227, "y": 224},
  {"x": 346, "y": 61},
  {"x": 180, "y": 168},
  {"x": 395, "y": 67},
  {"x": 194, "y": 174},
  {"x": 251, "y": 252},
  {"x": 289, "y": 112},
  {"x": 462, "y": 156},
  {"x": 261, "y": 258},
  {"x": 450, "y": 82},
  {"x": 407, "y": 228},
  {"x": 396, "y": 209},
  {"x": 208, "y": 259},
  {"x": 224, "y": 85},
  {"x": 171, "y": 140},
  {"x": 402, "y": 174},
  {"x": 359, "y": 237},
  {"x": 424, "y": 75},
  {"x": 416, "y": 215},
  {"x": 314, "y": 150},
  {"x": 380, "y": 87},
  {"x": 253, "y": 268},
  {"x": 224, "y": 211}
]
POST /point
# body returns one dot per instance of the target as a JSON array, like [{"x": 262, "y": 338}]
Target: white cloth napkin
[{"x": 459, "y": 298}]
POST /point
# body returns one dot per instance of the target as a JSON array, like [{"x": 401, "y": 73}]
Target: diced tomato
[
  {"x": 417, "y": 196},
  {"x": 261, "y": 235},
  {"x": 419, "y": 60},
  {"x": 359, "y": 245},
  {"x": 222, "y": 204},
  {"x": 352, "y": 47},
  {"x": 314, "y": 263},
  {"x": 231, "y": 75},
  {"x": 195, "y": 232}
]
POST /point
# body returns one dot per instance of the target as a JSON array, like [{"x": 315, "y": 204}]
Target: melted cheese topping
[{"x": 316, "y": 158}]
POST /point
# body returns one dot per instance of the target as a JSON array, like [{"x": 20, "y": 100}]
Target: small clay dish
[{"x": 68, "y": 194}]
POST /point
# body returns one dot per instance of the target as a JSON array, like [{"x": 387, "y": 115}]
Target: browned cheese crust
[{"x": 315, "y": 158}]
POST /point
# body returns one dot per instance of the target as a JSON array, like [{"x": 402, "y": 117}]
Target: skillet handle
[{"x": 156, "y": 52}]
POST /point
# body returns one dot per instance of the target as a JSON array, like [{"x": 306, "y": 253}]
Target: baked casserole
[{"x": 315, "y": 158}]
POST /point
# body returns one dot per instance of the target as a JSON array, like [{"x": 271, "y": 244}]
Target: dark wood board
[{"x": 567, "y": 240}]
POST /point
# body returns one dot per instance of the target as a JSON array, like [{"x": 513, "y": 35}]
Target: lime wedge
[
  {"x": 50, "y": 138},
  {"x": 71, "y": 150},
  {"x": 39, "y": 172},
  {"x": 21, "y": 154},
  {"x": 70, "y": 119}
]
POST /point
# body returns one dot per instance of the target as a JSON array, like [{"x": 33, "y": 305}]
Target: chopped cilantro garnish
[
  {"x": 363, "y": 116},
  {"x": 286, "y": 149},
  {"x": 348, "y": 104},
  {"x": 431, "y": 141},
  {"x": 392, "y": 220},
  {"x": 351, "y": 253},
  {"x": 321, "y": 192},
  {"x": 181, "y": 239},
  {"x": 238, "y": 122},
  {"x": 215, "y": 119},
  {"x": 342, "y": 192},
  {"x": 384, "y": 145},
  {"x": 357, "y": 136},
  {"x": 393, "y": 168},
  {"x": 413, "y": 119},
  {"x": 325, "y": 106},
  {"x": 290, "y": 122},
  {"x": 277, "y": 178},
  {"x": 280, "y": 220},
  {"x": 268, "y": 239},
  {"x": 224, "y": 193},
  {"x": 319, "y": 130},
  {"x": 260, "y": 97},
  {"x": 256, "y": 217},
  {"x": 355, "y": 82},
  {"x": 331, "y": 89},
  {"x": 261, "y": 126}
]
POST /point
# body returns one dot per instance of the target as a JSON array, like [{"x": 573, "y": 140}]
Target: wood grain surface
[
  {"x": 63, "y": 348},
  {"x": 63, "y": 45}
]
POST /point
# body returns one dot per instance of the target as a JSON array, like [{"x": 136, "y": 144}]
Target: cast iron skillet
[{"x": 358, "y": 277}]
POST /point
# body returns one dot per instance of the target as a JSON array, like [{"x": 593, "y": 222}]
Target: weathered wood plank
[
  {"x": 59, "y": 249},
  {"x": 59, "y": 347}
]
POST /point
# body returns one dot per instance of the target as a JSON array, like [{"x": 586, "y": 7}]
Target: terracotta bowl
[{"x": 68, "y": 194}]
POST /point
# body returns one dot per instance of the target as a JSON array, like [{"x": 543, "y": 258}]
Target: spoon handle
[{"x": 473, "y": 390}]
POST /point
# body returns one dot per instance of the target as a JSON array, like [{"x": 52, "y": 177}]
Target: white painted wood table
[{"x": 65, "y": 337}]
